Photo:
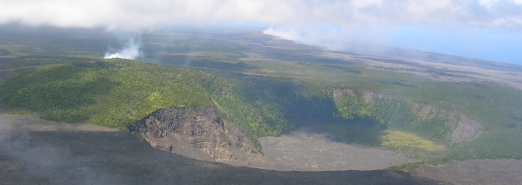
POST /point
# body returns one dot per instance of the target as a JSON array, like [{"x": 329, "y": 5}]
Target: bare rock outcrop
[
  {"x": 337, "y": 93},
  {"x": 198, "y": 133},
  {"x": 467, "y": 129}
]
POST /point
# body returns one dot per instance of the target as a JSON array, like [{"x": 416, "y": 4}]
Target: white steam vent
[{"x": 131, "y": 50}]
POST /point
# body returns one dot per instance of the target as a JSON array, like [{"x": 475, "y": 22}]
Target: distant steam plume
[
  {"x": 334, "y": 37},
  {"x": 131, "y": 49}
]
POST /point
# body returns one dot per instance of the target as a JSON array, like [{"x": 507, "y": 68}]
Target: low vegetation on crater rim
[{"x": 272, "y": 94}]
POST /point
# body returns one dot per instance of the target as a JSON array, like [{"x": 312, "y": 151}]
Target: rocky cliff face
[{"x": 198, "y": 133}]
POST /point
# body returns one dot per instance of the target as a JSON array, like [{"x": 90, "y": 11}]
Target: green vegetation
[
  {"x": 272, "y": 93},
  {"x": 260, "y": 116},
  {"x": 117, "y": 93},
  {"x": 26, "y": 61},
  {"x": 352, "y": 105},
  {"x": 495, "y": 144},
  {"x": 18, "y": 111},
  {"x": 112, "y": 93},
  {"x": 410, "y": 144}
]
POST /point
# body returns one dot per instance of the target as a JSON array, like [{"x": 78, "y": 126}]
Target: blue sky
[
  {"x": 486, "y": 29},
  {"x": 489, "y": 44},
  {"x": 499, "y": 45}
]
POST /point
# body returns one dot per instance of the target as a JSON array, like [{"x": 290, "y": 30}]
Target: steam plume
[
  {"x": 131, "y": 50},
  {"x": 334, "y": 37}
]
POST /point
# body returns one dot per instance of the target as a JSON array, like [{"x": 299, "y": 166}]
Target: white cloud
[
  {"x": 137, "y": 14},
  {"x": 335, "y": 38}
]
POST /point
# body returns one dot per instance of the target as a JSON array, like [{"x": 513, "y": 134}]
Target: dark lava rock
[{"x": 198, "y": 133}]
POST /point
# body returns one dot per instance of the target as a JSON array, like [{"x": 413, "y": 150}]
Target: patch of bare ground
[
  {"x": 466, "y": 129},
  {"x": 476, "y": 172},
  {"x": 32, "y": 122},
  {"x": 305, "y": 151},
  {"x": 33, "y": 151}
]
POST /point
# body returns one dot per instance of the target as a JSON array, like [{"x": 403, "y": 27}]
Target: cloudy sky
[{"x": 488, "y": 29}]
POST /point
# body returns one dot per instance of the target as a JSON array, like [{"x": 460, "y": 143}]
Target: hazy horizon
[{"x": 485, "y": 29}]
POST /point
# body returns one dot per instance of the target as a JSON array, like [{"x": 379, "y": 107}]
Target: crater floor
[
  {"x": 302, "y": 150},
  {"x": 33, "y": 151}
]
